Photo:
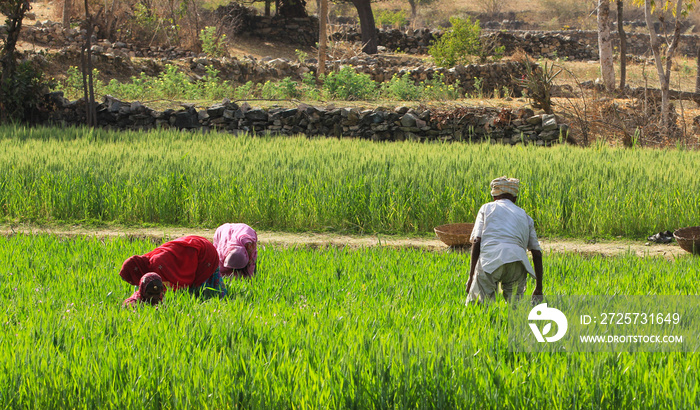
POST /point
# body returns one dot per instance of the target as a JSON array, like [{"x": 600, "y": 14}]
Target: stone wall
[
  {"x": 381, "y": 124},
  {"x": 298, "y": 31},
  {"x": 572, "y": 44},
  {"x": 380, "y": 68}
]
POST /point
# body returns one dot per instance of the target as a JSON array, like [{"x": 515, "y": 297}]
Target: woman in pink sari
[{"x": 237, "y": 246}]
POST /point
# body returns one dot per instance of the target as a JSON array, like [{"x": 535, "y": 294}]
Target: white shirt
[{"x": 506, "y": 233}]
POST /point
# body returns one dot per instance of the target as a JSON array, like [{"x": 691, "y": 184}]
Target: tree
[
  {"x": 322, "y": 37},
  {"x": 370, "y": 39},
  {"x": 15, "y": 11},
  {"x": 667, "y": 56},
  {"x": 66, "y": 13},
  {"x": 623, "y": 44},
  {"x": 605, "y": 45}
]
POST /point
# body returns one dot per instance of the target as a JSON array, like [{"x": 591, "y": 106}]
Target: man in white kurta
[{"x": 502, "y": 234}]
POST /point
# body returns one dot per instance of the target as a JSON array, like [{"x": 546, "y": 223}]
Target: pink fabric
[
  {"x": 237, "y": 258},
  {"x": 227, "y": 237}
]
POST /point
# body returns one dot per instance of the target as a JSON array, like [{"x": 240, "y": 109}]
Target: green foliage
[
  {"x": 70, "y": 175},
  {"x": 73, "y": 84},
  {"x": 401, "y": 88},
  {"x": 212, "y": 44},
  {"x": 301, "y": 55},
  {"x": 170, "y": 84},
  {"x": 244, "y": 91},
  {"x": 283, "y": 89},
  {"x": 22, "y": 92},
  {"x": 347, "y": 84},
  {"x": 315, "y": 328},
  {"x": 149, "y": 24},
  {"x": 396, "y": 19},
  {"x": 458, "y": 44},
  {"x": 462, "y": 42},
  {"x": 539, "y": 81},
  {"x": 479, "y": 87},
  {"x": 404, "y": 88},
  {"x": 309, "y": 90}
]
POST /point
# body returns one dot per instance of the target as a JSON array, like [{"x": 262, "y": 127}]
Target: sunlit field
[
  {"x": 298, "y": 184},
  {"x": 324, "y": 328}
]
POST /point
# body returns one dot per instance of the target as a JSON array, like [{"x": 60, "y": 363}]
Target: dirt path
[{"x": 604, "y": 247}]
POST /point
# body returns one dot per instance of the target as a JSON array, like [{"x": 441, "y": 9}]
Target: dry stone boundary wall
[
  {"x": 381, "y": 124},
  {"x": 571, "y": 44},
  {"x": 497, "y": 76}
]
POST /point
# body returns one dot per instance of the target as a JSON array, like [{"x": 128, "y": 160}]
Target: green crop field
[
  {"x": 298, "y": 184},
  {"x": 324, "y": 328}
]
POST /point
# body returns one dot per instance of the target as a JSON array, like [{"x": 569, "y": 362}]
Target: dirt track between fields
[{"x": 602, "y": 247}]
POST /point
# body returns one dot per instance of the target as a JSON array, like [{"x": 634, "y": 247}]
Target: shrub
[
  {"x": 458, "y": 44},
  {"x": 212, "y": 44},
  {"x": 401, "y": 88},
  {"x": 244, "y": 91},
  {"x": 463, "y": 41},
  {"x": 283, "y": 89},
  {"x": 539, "y": 82},
  {"x": 436, "y": 89},
  {"x": 308, "y": 87},
  {"x": 22, "y": 92},
  {"x": 346, "y": 84}
]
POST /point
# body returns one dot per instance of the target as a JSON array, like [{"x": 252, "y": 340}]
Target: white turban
[{"x": 503, "y": 185}]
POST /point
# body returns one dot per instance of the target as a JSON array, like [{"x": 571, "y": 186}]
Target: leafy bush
[
  {"x": 437, "y": 89},
  {"x": 212, "y": 44},
  {"x": 401, "y": 88},
  {"x": 21, "y": 93},
  {"x": 283, "y": 89},
  {"x": 460, "y": 43},
  {"x": 404, "y": 88},
  {"x": 244, "y": 91},
  {"x": 308, "y": 87},
  {"x": 346, "y": 84}
]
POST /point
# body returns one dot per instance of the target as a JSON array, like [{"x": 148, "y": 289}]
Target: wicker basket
[
  {"x": 689, "y": 239},
  {"x": 455, "y": 234}
]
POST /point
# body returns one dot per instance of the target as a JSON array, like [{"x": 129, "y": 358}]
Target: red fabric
[
  {"x": 184, "y": 262},
  {"x": 139, "y": 295}
]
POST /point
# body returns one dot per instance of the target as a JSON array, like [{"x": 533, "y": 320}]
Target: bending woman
[
  {"x": 189, "y": 262},
  {"x": 237, "y": 249}
]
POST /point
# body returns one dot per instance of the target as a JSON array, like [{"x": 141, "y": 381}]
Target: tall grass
[
  {"x": 195, "y": 179},
  {"x": 329, "y": 328}
]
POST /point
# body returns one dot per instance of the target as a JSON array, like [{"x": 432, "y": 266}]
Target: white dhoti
[{"x": 484, "y": 285}]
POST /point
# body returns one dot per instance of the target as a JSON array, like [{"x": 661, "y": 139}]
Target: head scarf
[
  {"x": 237, "y": 258},
  {"x": 503, "y": 185},
  {"x": 151, "y": 290},
  {"x": 184, "y": 262},
  {"x": 134, "y": 268},
  {"x": 230, "y": 237}
]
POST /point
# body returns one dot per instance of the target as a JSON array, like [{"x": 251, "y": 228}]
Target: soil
[{"x": 605, "y": 248}]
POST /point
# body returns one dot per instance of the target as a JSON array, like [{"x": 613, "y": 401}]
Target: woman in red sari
[
  {"x": 150, "y": 291},
  {"x": 189, "y": 262}
]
